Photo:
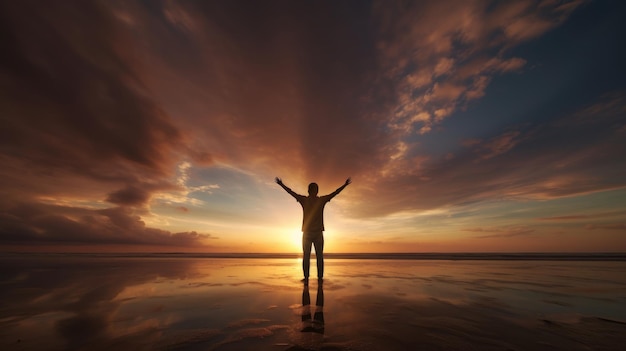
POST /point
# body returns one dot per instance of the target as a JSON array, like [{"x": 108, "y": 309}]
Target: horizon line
[{"x": 547, "y": 256}]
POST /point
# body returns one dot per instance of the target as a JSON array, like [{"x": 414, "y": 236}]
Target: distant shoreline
[{"x": 615, "y": 256}]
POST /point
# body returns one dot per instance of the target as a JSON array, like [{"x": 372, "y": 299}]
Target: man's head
[{"x": 313, "y": 189}]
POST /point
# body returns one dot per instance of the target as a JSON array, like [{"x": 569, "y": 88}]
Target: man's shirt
[{"x": 313, "y": 212}]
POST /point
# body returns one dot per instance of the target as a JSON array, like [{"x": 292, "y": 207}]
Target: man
[{"x": 313, "y": 225}]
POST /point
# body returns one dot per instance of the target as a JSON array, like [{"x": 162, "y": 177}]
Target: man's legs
[
  {"x": 306, "y": 257},
  {"x": 318, "y": 242}
]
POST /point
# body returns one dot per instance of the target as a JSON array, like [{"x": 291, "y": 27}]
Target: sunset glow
[{"x": 466, "y": 126}]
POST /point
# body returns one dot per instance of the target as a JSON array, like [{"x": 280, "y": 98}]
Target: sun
[
  {"x": 296, "y": 240},
  {"x": 284, "y": 240}
]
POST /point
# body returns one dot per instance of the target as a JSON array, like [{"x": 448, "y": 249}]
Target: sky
[{"x": 466, "y": 126}]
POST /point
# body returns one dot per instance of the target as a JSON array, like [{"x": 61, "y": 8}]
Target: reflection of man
[
  {"x": 312, "y": 224},
  {"x": 315, "y": 324}
]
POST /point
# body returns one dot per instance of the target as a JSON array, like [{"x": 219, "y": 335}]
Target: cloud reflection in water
[{"x": 80, "y": 303}]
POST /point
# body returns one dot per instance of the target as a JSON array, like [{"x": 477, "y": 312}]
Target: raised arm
[
  {"x": 336, "y": 192},
  {"x": 291, "y": 192}
]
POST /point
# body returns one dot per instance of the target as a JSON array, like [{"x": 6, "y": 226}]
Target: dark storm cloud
[
  {"x": 130, "y": 195},
  {"x": 74, "y": 107},
  {"x": 49, "y": 224},
  {"x": 78, "y": 123}
]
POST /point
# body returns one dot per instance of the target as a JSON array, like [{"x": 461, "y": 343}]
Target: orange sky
[{"x": 465, "y": 126}]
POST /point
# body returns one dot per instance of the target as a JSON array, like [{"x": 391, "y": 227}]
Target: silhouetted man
[{"x": 312, "y": 224}]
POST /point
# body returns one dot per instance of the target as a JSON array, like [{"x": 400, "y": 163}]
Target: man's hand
[
  {"x": 348, "y": 181},
  {"x": 280, "y": 182}
]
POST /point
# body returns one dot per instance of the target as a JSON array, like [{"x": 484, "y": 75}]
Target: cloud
[
  {"x": 78, "y": 112},
  {"x": 499, "y": 144},
  {"x": 577, "y": 217},
  {"x": 505, "y": 232},
  {"x": 297, "y": 104},
  {"x": 610, "y": 108},
  {"x": 35, "y": 224},
  {"x": 564, "y": 218},
  {"x": 443, "y": 54},
  {"x": 612, "y": 226},
  {"x": 130, "y": 195},
  {"x": 80, "y": 128},
  {"x": 116, "y": 104},
  {"x": 82, "y": 298},
  {"x": 532, "y": 162}
]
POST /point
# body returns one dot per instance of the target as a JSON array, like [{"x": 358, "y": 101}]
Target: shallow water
[{"x": 139, "y": 303}]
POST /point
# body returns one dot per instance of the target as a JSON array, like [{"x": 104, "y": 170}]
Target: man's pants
[{"x": 317, "y": 239}]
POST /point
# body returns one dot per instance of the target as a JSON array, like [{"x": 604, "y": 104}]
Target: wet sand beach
[{"x": 191, "y": 303}]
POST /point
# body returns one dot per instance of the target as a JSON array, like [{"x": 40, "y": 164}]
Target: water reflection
[
  {"x": 228, "y": 304},
  {"x": 71, "y": 303},
  {"x": 315, "y": 324}
]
